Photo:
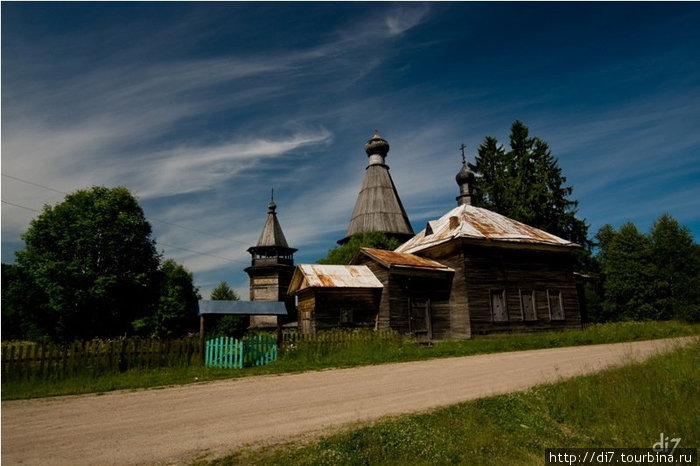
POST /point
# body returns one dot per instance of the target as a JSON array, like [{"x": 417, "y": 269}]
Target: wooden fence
[
  {"x": 34, "y": 360},
  {"x": 339, "y": 336},
  {"x": 230, "y": 353}
]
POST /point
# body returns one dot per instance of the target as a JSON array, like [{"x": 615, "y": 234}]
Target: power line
[
  {"x": 20, "y": 206},
  {"x": 151, "y": 218},
  {"x": 202, "y": 253},
  {"x": 33, "y": 184},
  {"x": 157, "y": 242},
  {"x": 199, "y": 231}
]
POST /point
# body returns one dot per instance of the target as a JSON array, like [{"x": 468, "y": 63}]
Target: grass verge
[
  {"x": 320, "y": 355},
  {"x": 625, "y": 407}
]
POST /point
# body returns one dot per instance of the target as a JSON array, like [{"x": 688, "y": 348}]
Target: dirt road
[{"x": 175, "y": 425}]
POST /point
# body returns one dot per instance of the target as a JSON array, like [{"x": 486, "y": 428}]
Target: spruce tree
[{"x": 526, "y": 184}]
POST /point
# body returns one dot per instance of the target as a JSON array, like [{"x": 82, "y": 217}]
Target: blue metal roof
[{"x": 255, "y": 308}]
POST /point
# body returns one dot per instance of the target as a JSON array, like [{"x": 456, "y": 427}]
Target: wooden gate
[
  {"x": 229, "y": 353},
  {"x": 224, "y": 353}
]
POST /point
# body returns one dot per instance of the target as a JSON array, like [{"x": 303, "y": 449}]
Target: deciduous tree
[
  {"x": 176, "y": 314},
  {"x": 93, "y": 258},
  {"x": 342, "y": 255}
]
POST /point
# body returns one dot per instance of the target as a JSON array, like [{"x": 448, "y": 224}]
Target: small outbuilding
[
  {"x": 335, "y": 296},
  {"x": 416, "y": 292}
]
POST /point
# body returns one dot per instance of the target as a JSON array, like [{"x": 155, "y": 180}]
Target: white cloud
[
  {"x": 192, "y": 169},
  {"x": 405, "y": 17}
]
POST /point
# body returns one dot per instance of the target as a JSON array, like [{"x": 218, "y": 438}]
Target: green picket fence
[{"x": 230, "y": 353}]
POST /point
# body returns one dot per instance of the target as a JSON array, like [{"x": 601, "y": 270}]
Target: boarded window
[
  {"x": 556, "y": 309},
  {"x": 527, "y": 305},
  {"x": 498, "y": 306}
]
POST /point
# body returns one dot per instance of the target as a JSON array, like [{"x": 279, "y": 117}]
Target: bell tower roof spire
[
  {"x": 272, "y": 206},
  {"x": 272, "y": 235}
]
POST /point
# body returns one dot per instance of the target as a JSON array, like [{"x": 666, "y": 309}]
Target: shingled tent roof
[
  {"x": 378, "y": 207},
  {"x": 272, "y": 235},
  {"x": 478, "y": 224}
]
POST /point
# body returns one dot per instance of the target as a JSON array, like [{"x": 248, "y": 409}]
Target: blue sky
[{"x": 201, "y": 108}]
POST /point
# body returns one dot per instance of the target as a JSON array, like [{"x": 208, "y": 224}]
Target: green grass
[
  {"x": 625, "y": 407},
  {"x": 321, "y": 355}
]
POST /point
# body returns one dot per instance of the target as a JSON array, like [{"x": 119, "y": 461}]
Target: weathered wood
[{"x": 378, "y": 207}]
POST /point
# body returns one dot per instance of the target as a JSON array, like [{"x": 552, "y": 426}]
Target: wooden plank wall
[
  {"x": 322, "y": 308},
  {"x": 384, "y": 321},
  {"x": 400, "y": 287},
  {"x": 265, "y": 286},
  {"x": 457, "y": 307},
  {"x": 305, "y": 307},
  {"x": 513, "y": 270}
]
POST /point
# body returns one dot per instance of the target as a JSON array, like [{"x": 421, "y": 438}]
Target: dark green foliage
[
  {"x": 676, "y": 259},
  {"x": 89, "y": 265},
  {"x": 89, "y": 269},
  {"x": 24, "y": 309},
  {"x": 526, "y": 184},
  {"x": 230, "y": 326},
  {"x": 176, "y": 314},
  {"x": 629, "y": 276},
  {"x": 653, "y": 276},
  {"x": 223, "y": 293},
  {"x": 342, "y": 255}
]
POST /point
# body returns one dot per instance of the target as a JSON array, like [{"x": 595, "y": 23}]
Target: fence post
[{"x": 42, "y": 348}]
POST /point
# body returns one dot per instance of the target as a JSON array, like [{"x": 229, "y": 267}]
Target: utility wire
[
  {"x": 155, "y": 219},
  {"x": 20, "y": 206},
  {"x": 33, "y": 184},
  {"x": 199, "y": 231},
  {"x": 202, "y": 253},
  {"x": 151, "y": 218},
  {"x": 157, "y": 242}
]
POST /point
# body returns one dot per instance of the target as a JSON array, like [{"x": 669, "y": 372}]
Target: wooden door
[{"x": 420, "y": 318}]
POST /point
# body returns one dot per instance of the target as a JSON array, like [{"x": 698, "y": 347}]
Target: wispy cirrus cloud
[{"x": 404, "y": 17}]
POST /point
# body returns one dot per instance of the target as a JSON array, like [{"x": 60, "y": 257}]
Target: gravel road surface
[{"x": 175, "y": 425}]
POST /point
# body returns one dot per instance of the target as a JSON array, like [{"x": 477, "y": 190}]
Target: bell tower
[{"x": 271, "y": 269}]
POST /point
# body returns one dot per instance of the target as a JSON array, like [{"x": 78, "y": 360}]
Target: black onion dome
[
  {"x": 377, "y": 145},
  {"x": 464, "y": 175}
]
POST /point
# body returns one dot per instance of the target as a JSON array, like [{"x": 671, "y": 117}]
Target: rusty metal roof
[
  {"x": 403, "y": 260},
  {"x": 332, "y": 276},
  {"x": 467, "y": 221}
]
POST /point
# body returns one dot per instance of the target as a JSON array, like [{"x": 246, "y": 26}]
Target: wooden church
[{"x": 470, "y": 272}]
